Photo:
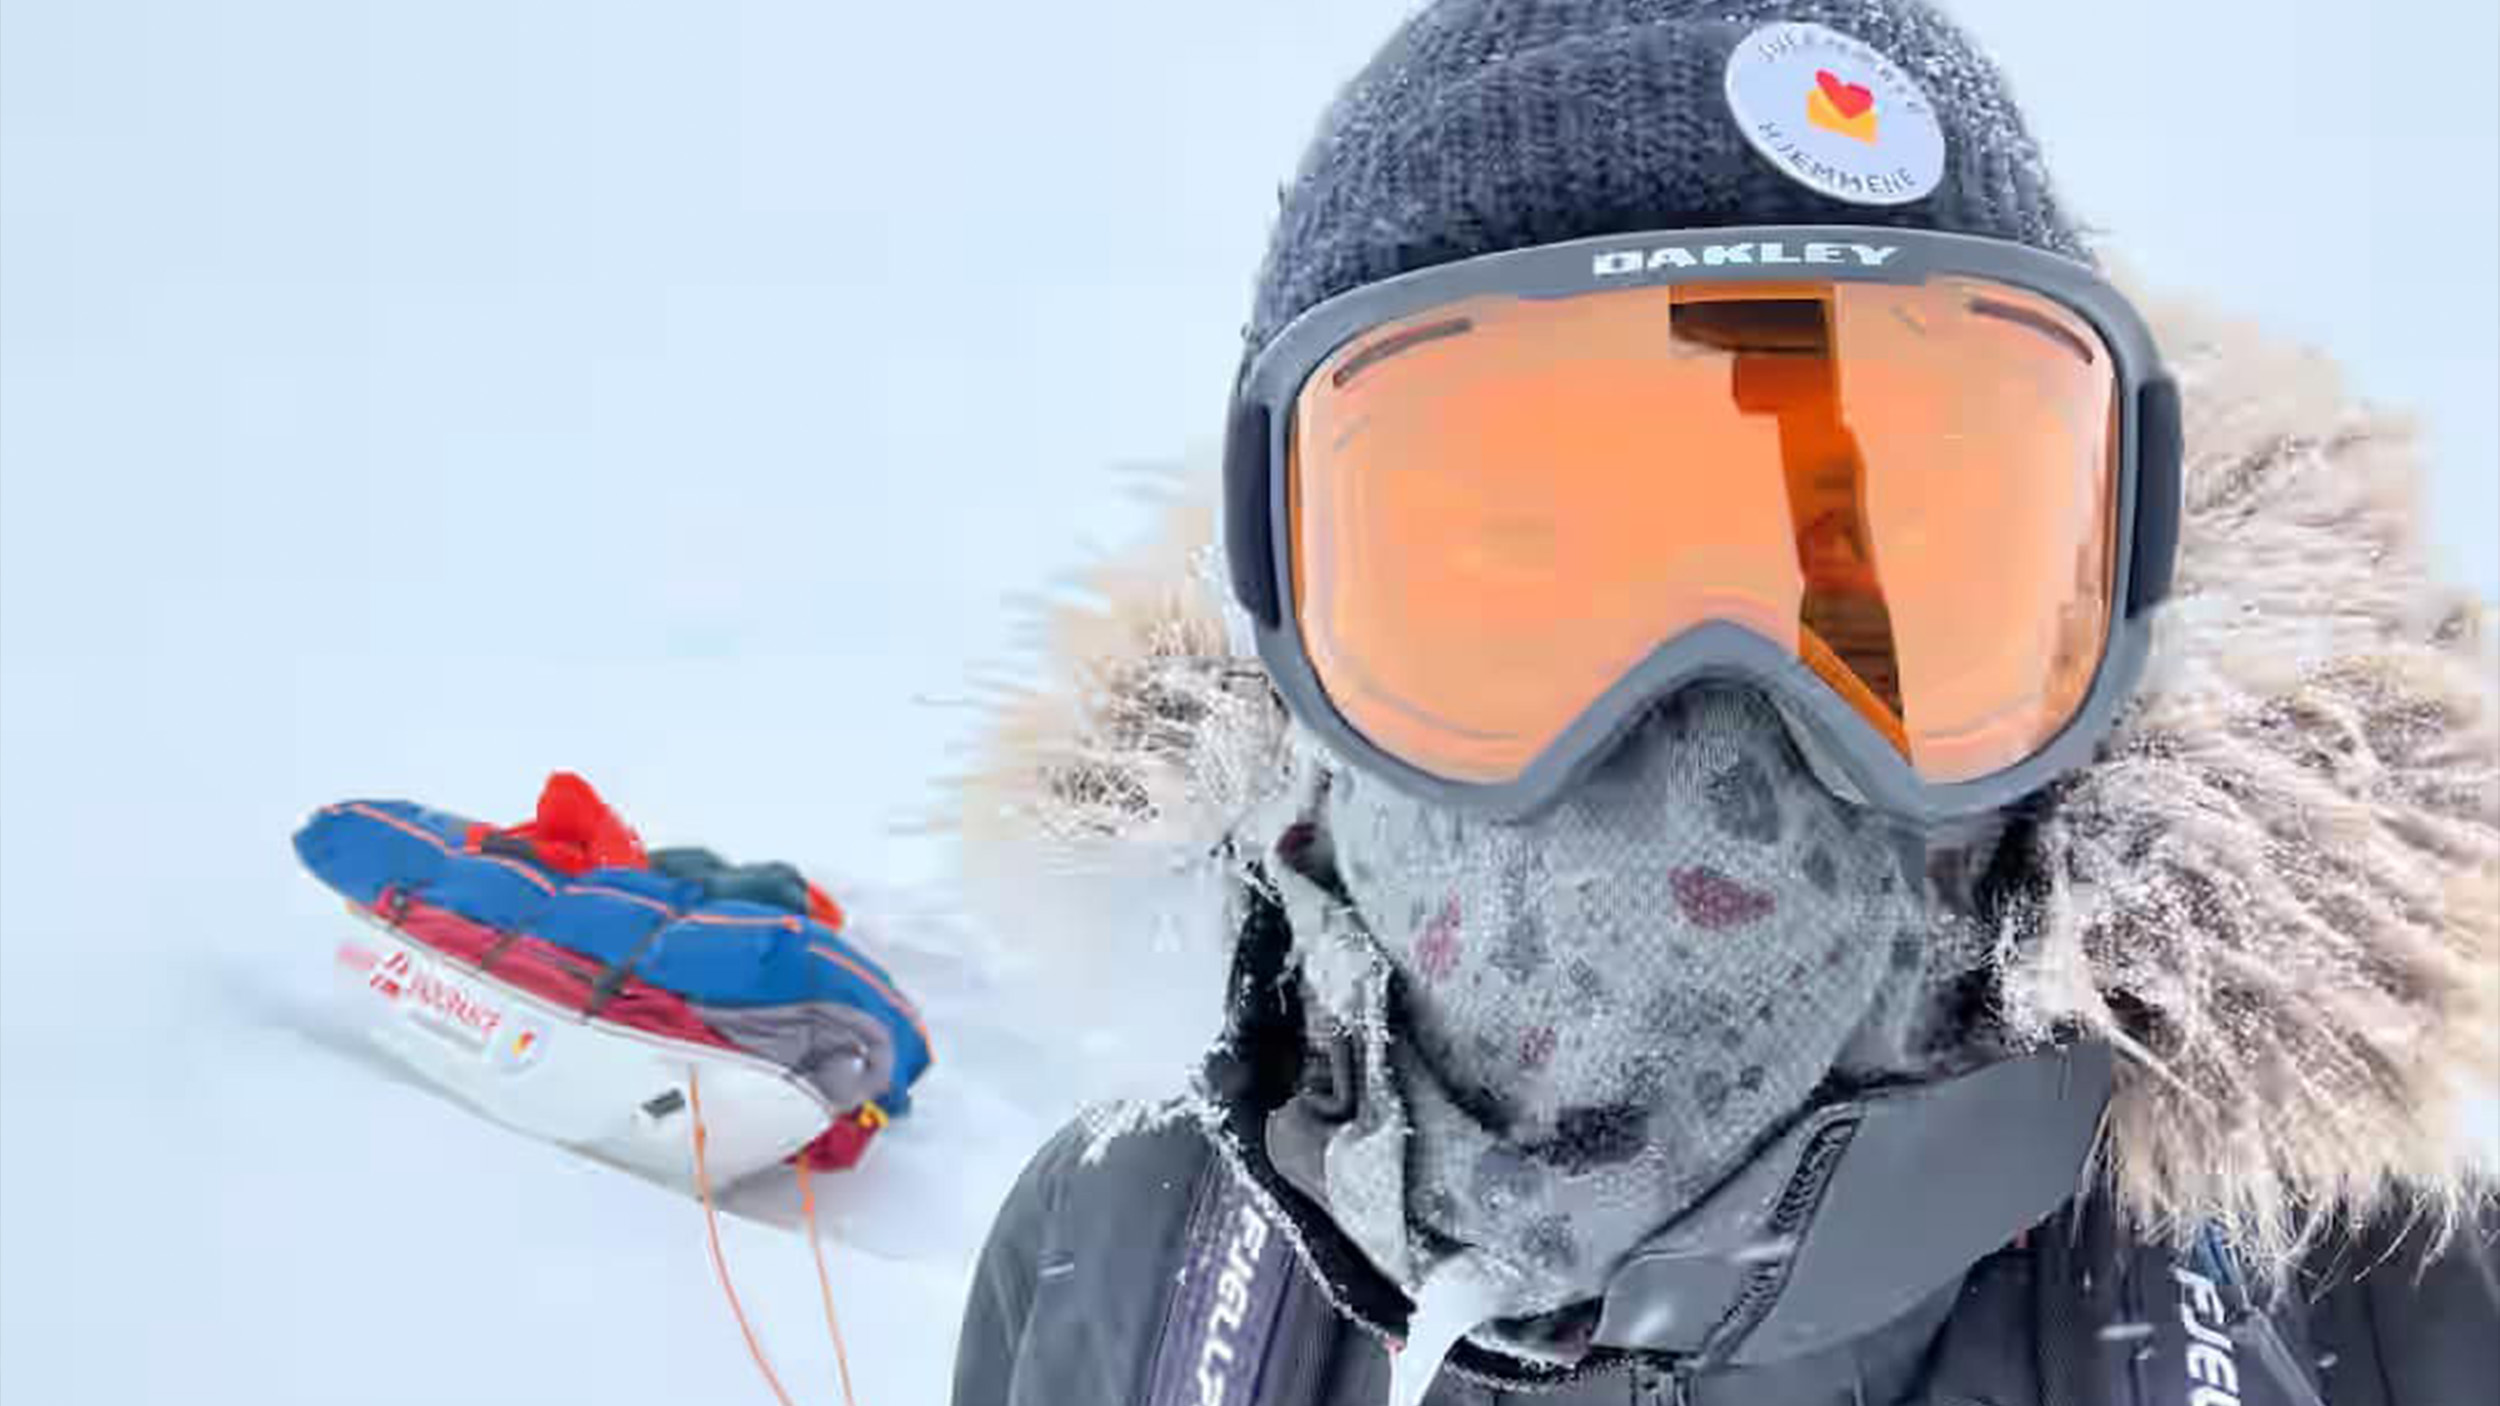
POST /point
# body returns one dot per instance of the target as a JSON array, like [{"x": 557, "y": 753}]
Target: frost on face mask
[{"x": 1575, "y": 1026}]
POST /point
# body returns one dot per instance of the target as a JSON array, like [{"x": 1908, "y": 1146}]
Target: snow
[{"x": 409, "y": 400}]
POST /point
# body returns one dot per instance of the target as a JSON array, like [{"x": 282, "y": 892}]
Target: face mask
[{"x": 1574, "y": 1027}]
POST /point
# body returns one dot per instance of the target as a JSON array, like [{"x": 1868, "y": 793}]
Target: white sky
[{"x": 409, "y": 398}]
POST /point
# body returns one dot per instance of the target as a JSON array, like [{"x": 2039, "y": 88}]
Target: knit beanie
[{"x": 1486, "y": 125}]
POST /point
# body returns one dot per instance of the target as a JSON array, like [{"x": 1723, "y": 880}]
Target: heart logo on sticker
[
  {"x": 1850, "y": 98},
  {"x": 1846, "y": 108}
]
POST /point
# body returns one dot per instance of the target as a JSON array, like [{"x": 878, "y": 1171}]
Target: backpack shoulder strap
[
  {"x": 1244, "y": 1325},
  {"x": 2125, "y": 1324}
]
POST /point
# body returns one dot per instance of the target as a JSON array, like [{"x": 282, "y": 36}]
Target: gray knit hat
[{"x": 1486, "y": 125}]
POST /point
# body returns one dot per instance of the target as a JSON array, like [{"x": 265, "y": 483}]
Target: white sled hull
[{"x": 617, "y": 1094}]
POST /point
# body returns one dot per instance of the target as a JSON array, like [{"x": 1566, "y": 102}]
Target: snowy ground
[
  {"x": 405, "y": 400},
  {"x": 209, "y": 1199}
]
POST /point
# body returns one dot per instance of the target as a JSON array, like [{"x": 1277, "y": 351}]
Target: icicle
[{"x": 1459, "y": 1294}]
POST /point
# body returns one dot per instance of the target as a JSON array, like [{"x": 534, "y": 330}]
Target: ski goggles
[{"x": 1921, "y": 489}]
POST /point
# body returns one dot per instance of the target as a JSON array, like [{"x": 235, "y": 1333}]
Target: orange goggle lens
[{"x": 1498, "y": 509}]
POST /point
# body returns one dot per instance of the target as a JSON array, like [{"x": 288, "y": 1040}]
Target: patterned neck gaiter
[{"x": 1572, "y": 1028}]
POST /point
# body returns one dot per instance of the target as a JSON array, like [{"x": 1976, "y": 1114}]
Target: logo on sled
[
  {"x": 519, "y": 1049},
  {"x": 390, "y": 977},
  {"x": 441, "y": 1004},
  {"x": 445, "y": 1006}
]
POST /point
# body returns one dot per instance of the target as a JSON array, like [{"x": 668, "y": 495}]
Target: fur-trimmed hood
[{"x": 2277, "y": 892}]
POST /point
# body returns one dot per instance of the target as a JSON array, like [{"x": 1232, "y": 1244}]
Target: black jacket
[
  {"x": 1190, "y": 1265},
  {"x": 1104, "y": 1284}
]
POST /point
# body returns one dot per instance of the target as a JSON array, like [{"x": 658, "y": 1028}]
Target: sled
[
  {"x": 559, "y": 980},
  {"x": 611, "y": 1092}
]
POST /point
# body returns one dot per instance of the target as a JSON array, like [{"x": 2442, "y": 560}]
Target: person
[{"x": 1831, "y": 813}]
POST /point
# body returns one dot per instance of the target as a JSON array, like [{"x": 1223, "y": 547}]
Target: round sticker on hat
[{"x": 1835, "y": 115}]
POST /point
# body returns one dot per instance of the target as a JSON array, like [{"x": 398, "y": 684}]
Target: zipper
[
  {"x": 1672, "y": 1385},
  {"x": 1763, "y": 1283}
]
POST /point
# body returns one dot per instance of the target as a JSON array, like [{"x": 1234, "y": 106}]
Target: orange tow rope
[
  {"x": 720, "y": 1263},
  {"x": 824, "y": 1282},
  {"x": 711, "y": 1228}
]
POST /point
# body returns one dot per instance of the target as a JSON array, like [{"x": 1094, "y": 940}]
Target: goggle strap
[
  {"x": 1249, "y": 536},
  {"x": 2161, "y": 453}
]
